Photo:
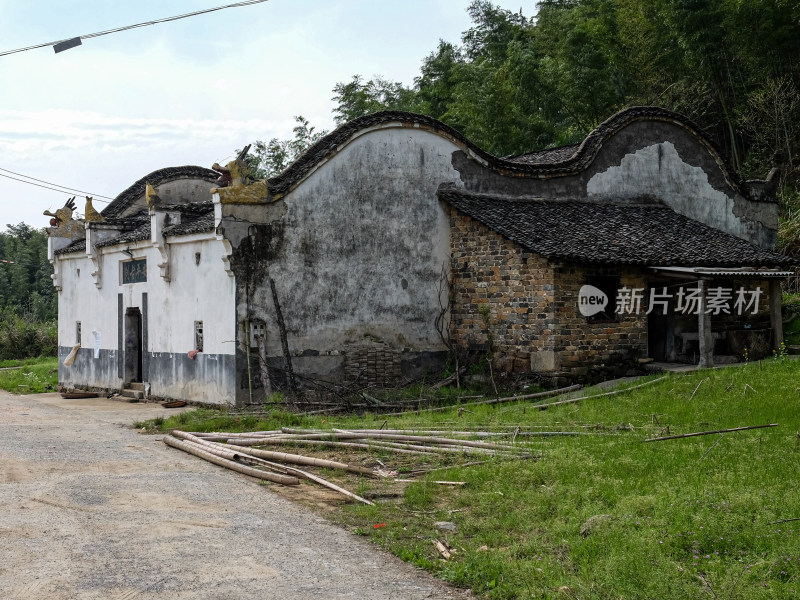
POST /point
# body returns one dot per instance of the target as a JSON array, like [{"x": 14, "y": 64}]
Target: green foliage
[
  {"x": 26, "y": 288},
  {"x": 28, "y": 300},
  {"x": 358, "y": 98},
  {"x": 269, "y": 159},
  {"x": 216, "y": 420},
  {"x": 22, "y": 338},
  {"x": 518, "y": 84},
  {"x": 33, "y": 377}
]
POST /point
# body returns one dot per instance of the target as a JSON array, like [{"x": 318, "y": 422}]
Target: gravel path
[{"x": 92, "y": 509}]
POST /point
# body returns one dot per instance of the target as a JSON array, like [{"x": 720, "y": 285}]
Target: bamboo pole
[
  {"x": 430, "y": 449},
  {"x": 221, "y": 451},
  {"x": 324, "y": 482},
  {"x": 224, "y": 451},
  {"x": 298, "y": 459},
  {"x": 229, "y": 464},
  {"x": 686, "y": 435},
  {"x": 546, "y": 394},
  {"x": 481, "y": 434},
  {"x": 270, "y": 441},
  {"x": 427, "y": 438},
  {"x": 614, "y": 393}
]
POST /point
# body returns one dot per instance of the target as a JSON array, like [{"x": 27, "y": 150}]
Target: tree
[
  {"x": 272, "y": 158},
  {"x": 357, "y": 98}
]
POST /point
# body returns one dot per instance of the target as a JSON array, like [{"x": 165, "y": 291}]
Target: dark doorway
[
  {"x": 660, "y": 324},
  {"x": 133, "y": 345}
]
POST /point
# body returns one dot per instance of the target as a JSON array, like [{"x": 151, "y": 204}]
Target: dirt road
[{"x": 92, "y": 509}]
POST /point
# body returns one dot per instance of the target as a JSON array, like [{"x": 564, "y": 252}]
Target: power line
[
  {"x": 51, "y": 183},
  {"x": 47, "y": 187},
  {"x": 127, "y": 27}
]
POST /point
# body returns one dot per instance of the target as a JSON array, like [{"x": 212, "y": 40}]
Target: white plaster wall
[
  {"x": 196, "y": 292},
  {"x": 659, "y": 171},
  {"x": 364, "y": 244}
]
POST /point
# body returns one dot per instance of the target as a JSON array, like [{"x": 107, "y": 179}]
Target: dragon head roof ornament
[
  {"x": 235, "y": 186},
  {"x": 62, "y": 224}
]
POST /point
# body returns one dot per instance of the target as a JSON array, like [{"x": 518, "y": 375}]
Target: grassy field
[
  {"x": 29, "y": 376},
  {"x": 603, "y": 514}
]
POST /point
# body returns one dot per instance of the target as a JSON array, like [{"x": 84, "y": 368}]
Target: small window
[
  {"x": 198, "y": 335},
  {"x": 77, "y": 332},
  {"x": 134, "y": 271},
  {"x": 608, "y": 284}
]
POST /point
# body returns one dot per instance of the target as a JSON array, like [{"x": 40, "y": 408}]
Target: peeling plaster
[{"x": 658, "y": 171}]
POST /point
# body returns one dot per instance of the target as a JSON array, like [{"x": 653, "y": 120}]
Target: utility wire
[
  {"x": 55, "y": 184},
  {"x": 47, "y": 187},
  {"x": 127, "y": 27}
]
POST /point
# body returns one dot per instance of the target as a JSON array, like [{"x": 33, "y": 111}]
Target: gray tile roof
[
  {"x": 546, "y": 157},
  {"x": 197, "y": 217},
  {"x": 76, "y": 246},
  {"x": 633, "y": 234},
  {"x": 199, "y": 224},
  {"x": 125, "y": 199}
]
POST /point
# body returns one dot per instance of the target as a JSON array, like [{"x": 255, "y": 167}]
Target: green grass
[
  {"x": 205, "y": 419},
  {"x": 686, "y": 518},
  {"x": 37, "y": 375}
]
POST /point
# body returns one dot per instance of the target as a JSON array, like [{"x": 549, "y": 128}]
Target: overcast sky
[{"x": 102, "y": 115}]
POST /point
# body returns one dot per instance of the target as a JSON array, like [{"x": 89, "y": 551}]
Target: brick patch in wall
[{"x": 373, "y": 364}]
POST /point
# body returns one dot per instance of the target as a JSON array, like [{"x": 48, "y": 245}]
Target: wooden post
[
  {"x": 287, "y": 357},
  {"x": 704, "y": 337},
  {"x": 775, "y": 314}
]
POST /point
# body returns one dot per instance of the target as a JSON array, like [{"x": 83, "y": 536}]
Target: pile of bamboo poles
[{"x": 240, "y": 452}]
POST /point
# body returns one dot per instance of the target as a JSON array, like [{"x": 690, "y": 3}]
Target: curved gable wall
[
  {"x": 358, "y": 254},
  {"x": 645, "y": 159}
]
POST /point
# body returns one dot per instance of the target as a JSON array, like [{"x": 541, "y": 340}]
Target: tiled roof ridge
[
  {"x": 451, "y": 190},
  {"x": 197, "y": 207},
  {"x": 643, "y": 234},
  {"x": 129, "y": 195},
  {"x": 577, "y": 161}
]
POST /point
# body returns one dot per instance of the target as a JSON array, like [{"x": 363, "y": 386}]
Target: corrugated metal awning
[{"x": 725, "y": 272}]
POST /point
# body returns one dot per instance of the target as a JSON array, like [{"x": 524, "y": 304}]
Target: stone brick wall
[
  {"x": 523, "y": 309},
  {"x": 526, "y": 308},
  {"x": 608, "y": 347},
  {"x": 502, "y": 295},
  {"x": 373, "y": 365}
]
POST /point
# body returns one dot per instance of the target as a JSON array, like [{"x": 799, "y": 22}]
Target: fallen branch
[
  {"x": 785, "y": 521},
  {"x": 712, "y": 445},
  {"x": 686, "y": 435},
  {"x": 439, "y": 482},
  {"x": 546, "y": 394},
  {"x": 450, "y": 379},
  {"x": 614, "y": 393},
  {"x": 697, "y": 388}
]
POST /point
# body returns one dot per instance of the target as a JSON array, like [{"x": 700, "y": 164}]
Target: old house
[{"x": 394, "y": 239}]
